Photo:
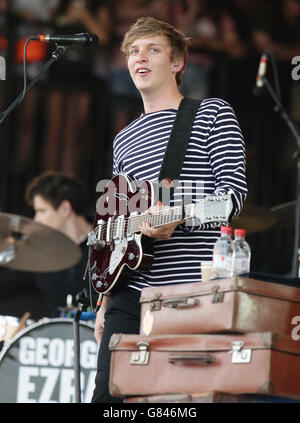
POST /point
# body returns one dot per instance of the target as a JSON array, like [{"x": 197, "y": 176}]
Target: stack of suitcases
[{"x": 225, "y": 340}]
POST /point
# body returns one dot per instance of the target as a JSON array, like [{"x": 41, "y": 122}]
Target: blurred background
[{"x": 68, "y": 120}]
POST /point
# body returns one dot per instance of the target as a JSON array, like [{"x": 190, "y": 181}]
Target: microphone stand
[
  {"x": 76, "y": 333},
  {"x": 57, "y": 54},
  {"x": 83, "y": 303},
  {"x": 296, "y": 135}
]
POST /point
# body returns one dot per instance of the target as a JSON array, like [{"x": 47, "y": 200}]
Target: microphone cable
[{"x": 19, "y": 99}]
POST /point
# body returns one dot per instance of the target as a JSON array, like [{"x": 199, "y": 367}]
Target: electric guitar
[{"x": 116, "y": 243}]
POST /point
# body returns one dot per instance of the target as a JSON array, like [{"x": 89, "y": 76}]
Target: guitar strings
[{"x": 175, "y": 213}]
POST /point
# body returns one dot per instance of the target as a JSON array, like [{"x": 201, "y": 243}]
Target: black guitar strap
[{"x": 177, "y": 145}]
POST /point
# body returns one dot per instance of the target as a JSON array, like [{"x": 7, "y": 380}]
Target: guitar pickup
[
  {"x": 100, "y": 243},
  {"x": 118, "y": 229}
]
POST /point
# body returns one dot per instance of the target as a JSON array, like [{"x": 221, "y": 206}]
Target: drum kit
[
  {"x": 29, "y": 246},
  {"x": 31, "y": 350}
]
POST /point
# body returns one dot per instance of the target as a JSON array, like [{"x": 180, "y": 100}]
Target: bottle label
[
  {"x": 222, "y": 266},
  {"x": 241, "y": 265}
]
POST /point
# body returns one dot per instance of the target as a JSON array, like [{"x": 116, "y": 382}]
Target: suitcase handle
[
  {"x": 204, "y": 358},
  {"x": 183, "y": 302}
]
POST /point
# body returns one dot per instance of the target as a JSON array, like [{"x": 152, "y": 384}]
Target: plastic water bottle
[
  {"x": 222, "y": 254},
  {"x": 241, "y": 253}
]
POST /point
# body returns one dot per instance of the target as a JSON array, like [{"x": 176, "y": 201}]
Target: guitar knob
[
  {"x": 99, "y": 284},
  {"x": 131, "y": 256}
]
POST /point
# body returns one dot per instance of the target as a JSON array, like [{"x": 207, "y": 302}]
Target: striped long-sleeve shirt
[{"x": 214, "y": 163}]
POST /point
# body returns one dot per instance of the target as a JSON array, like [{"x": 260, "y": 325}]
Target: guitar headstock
[{"x": 214, "y": 208}]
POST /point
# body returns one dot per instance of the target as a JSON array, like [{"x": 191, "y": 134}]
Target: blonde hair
[{"x": 149, "y": 26}]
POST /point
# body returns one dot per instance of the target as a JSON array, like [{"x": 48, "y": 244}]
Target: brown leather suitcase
[
  {"x": 260, "y": 363},
  {"x": 222, "y": 305},
  {"x": 202, "y": 397}
]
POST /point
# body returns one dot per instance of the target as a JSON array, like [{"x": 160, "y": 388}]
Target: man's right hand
[{"x": 99, "y": 323}]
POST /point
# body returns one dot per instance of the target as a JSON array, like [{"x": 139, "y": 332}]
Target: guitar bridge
[
  {"x": 92, "y": 238},
  {"x": 94, "y": 241}
]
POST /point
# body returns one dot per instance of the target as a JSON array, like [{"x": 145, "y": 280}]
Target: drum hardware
[{"x": 30, "y": 246}]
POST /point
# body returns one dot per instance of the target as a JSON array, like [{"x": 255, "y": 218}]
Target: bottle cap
[
  {"x": 240, "y": 232},
  {"x": 226, "y": 230}
]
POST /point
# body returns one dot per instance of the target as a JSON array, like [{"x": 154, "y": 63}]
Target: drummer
[{"x": 59, "y": 201}]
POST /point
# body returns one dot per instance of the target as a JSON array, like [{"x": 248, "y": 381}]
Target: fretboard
[{"x": 159, "y": 218}]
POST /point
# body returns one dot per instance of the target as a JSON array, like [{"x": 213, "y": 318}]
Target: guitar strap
[{"x": 176, "y": 147}]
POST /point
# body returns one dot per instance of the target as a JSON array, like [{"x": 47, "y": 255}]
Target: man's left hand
[{"x": 161, "y": 232}]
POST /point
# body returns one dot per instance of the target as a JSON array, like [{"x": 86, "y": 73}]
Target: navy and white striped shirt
[{"x": 215, "y": 159}]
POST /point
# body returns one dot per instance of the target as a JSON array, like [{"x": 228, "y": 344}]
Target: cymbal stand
[{"x": 296, "y": 136}]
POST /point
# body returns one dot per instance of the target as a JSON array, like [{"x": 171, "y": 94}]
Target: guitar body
[
  {"x": 111, "y": 262},
  {"x": 117, "y": 245}
]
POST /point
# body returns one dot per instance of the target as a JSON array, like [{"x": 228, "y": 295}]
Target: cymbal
[
  {"x": 285, "y": 213},
  {"x": 254, "y": 219},
  {"x": 30, "y": 246}
]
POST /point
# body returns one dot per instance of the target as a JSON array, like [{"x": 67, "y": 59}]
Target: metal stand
[
  {"x": 6, "y": 141},
  {"x": 76, "y": 328},
  {"x": 57, "y": 54},
  {"x": 296, "y": 135},
  {"x": 83, "y": 304}
]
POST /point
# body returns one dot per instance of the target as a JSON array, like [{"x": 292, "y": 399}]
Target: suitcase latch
[
  {"x": 155, "y": 305},
  {"x": 217, "y": 296},
  {"x": 140, "y": 357},
  {"x": 239, "y": 355}
]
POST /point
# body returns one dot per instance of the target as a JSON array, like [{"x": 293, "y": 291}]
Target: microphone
[
  {"x": 83, "y": 39},
  {"x": 262, "y": 70}
]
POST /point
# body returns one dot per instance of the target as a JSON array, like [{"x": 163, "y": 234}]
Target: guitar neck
[
  {"x": 211, "y": 209},
  {"x": 160, "y": 218}
]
